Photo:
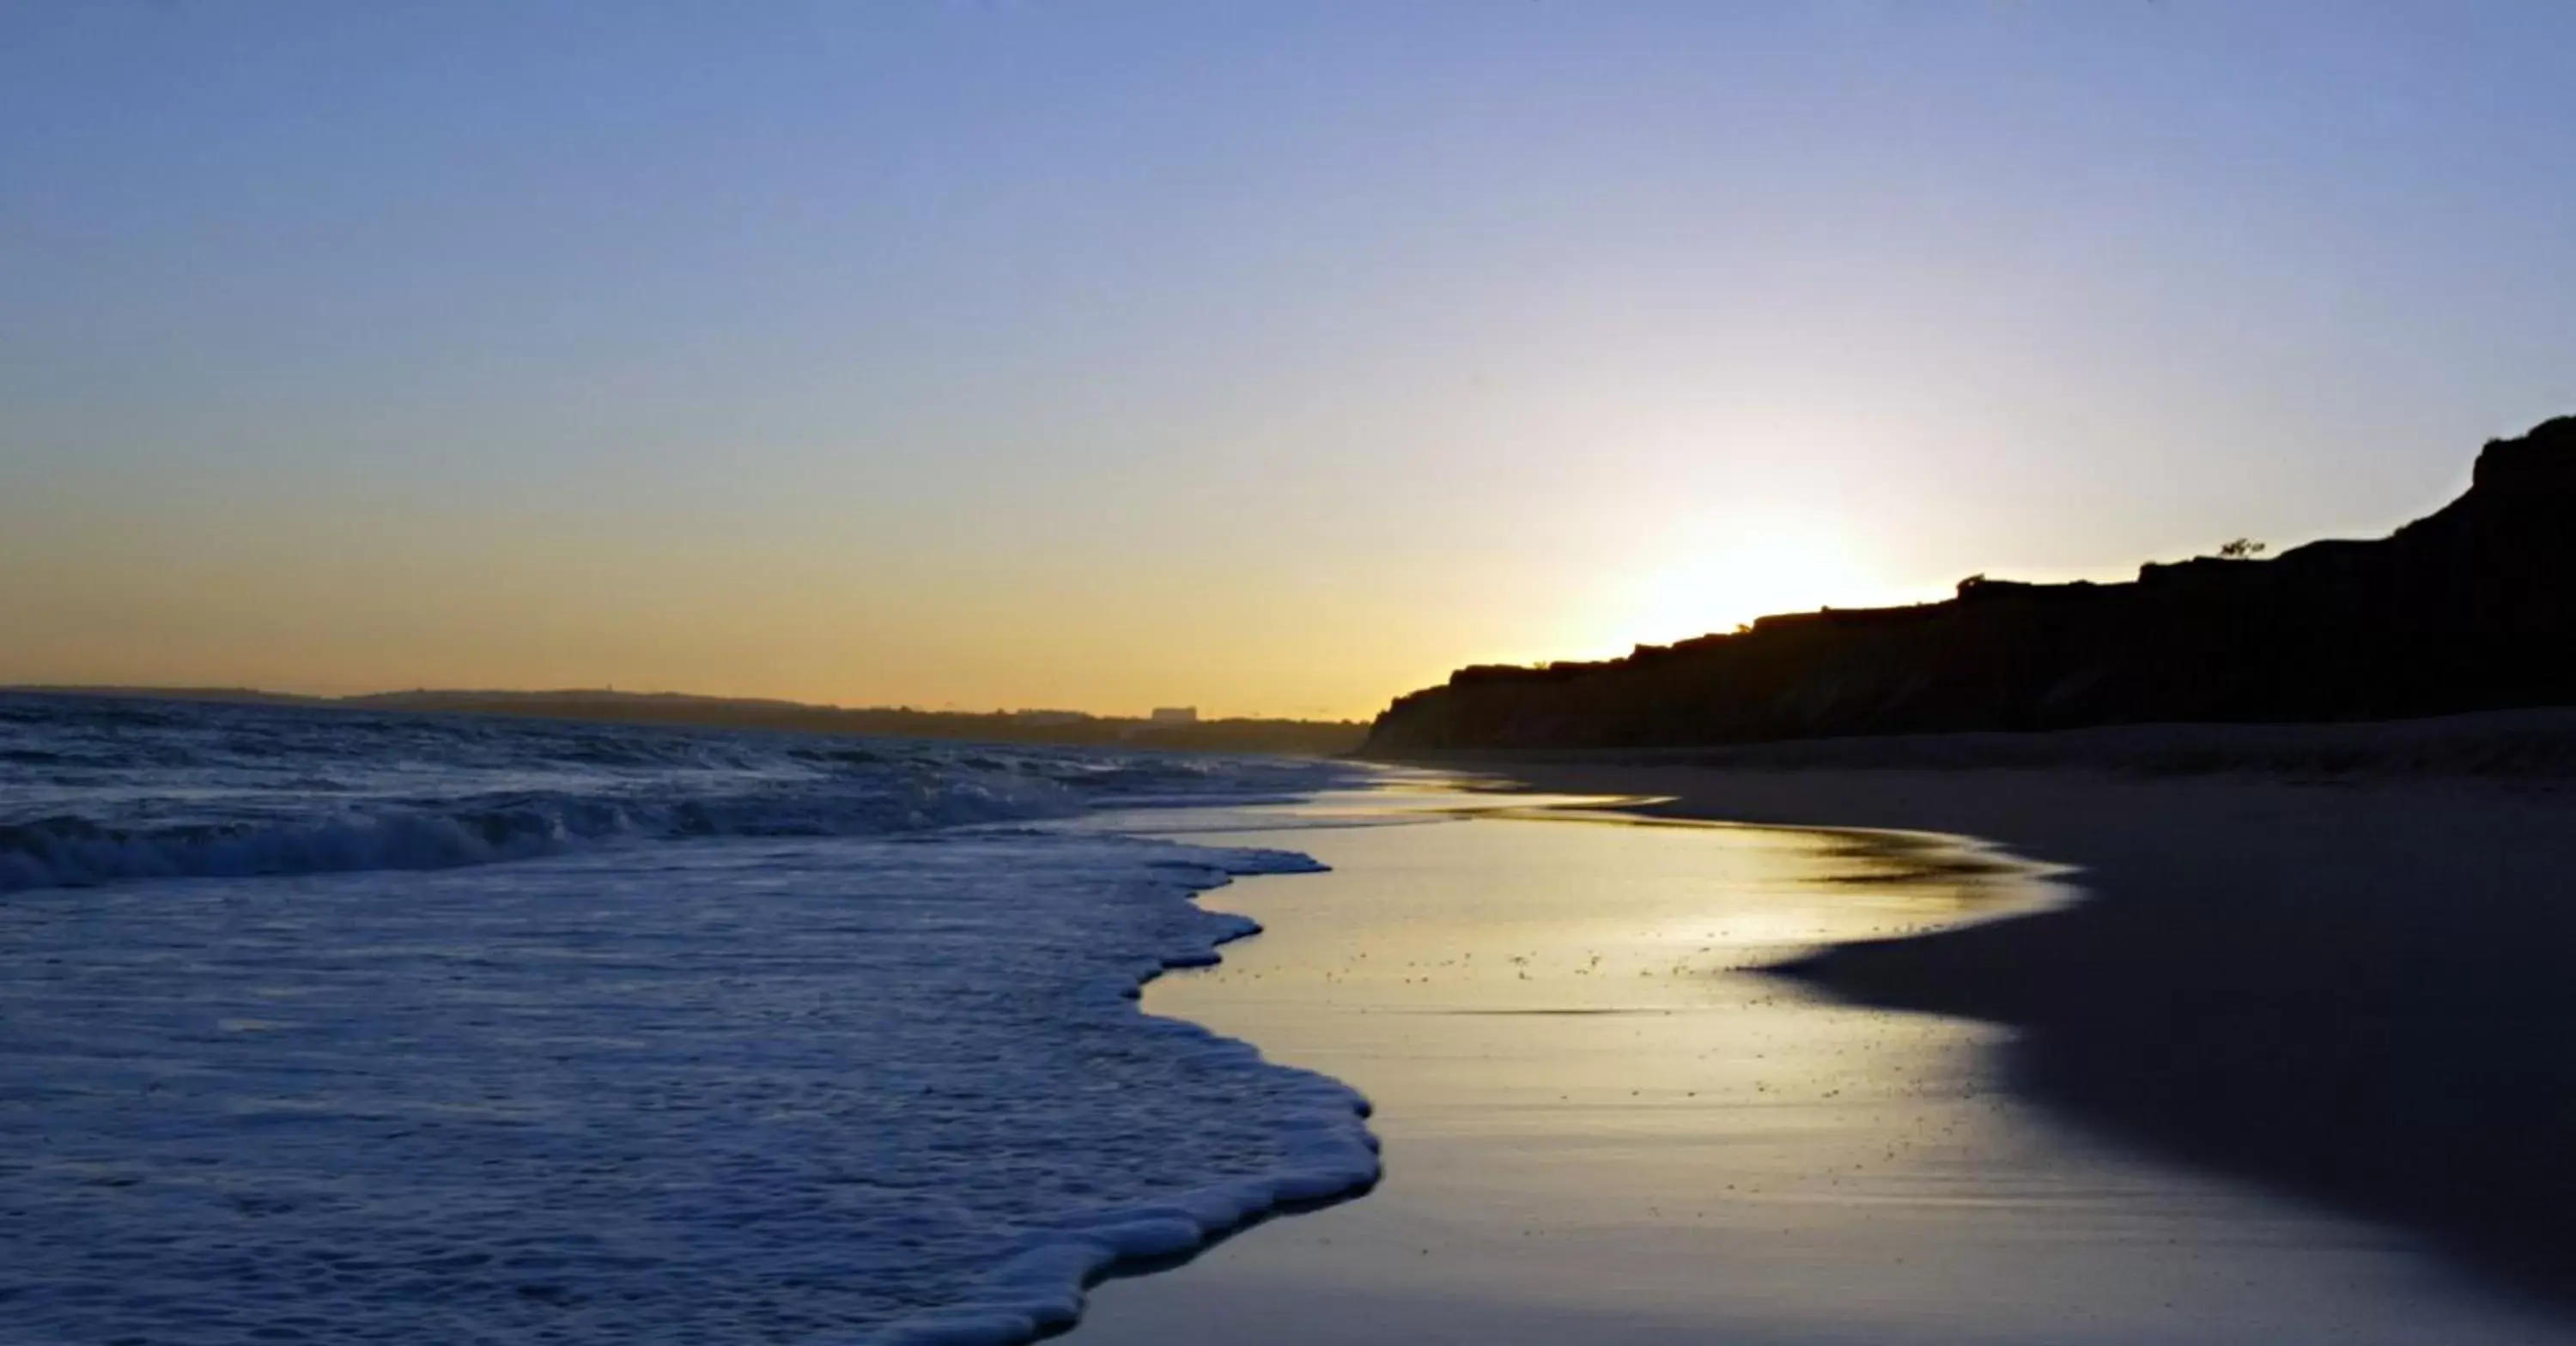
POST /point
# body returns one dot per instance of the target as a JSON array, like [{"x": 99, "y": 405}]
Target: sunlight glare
[{"x": 1732, "y": 576}]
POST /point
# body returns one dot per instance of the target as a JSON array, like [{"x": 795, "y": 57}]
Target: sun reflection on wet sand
[{"x": 1604, "y": 1121}]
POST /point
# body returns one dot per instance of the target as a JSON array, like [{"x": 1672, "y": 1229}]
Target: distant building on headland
[{"x": 1171, "y": 715}]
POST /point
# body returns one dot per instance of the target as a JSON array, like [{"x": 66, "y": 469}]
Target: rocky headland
[{"x": 2472, "y": 608}]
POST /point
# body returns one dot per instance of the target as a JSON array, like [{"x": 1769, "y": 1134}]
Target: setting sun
[{"x": 1732, "y": 576}]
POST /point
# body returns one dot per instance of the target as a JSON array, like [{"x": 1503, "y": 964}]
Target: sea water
[{"x": 329, "y": 1025}]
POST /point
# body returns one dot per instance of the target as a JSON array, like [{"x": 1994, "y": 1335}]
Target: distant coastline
[{"x": 1305, "y": 738}]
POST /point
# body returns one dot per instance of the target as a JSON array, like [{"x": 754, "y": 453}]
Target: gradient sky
[{"x": 1268, "y": 357}]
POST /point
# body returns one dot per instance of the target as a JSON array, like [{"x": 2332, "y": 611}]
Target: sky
[{"x": 1269, "y": 358}]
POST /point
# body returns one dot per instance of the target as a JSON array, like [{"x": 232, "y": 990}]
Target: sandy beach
[
  {"x": 2338, "y": 984},
  {"x": 1606, "y": 1121}
]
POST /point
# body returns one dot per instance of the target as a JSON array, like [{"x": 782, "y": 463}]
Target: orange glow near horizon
[
  {"x": 1733, "y": 576},
  {"x": 1277, "y": 363}
]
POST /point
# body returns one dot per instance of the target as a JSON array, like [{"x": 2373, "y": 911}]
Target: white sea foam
[{"x": 873, "y": 1087}]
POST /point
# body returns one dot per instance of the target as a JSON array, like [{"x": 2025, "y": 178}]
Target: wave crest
[{"x": 69, "y": 851}]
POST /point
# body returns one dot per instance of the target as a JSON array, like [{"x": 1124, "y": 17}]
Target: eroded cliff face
[{"x": 2470, "y": 608}]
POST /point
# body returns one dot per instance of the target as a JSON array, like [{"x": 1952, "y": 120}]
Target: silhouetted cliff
[{"x": 2472, "y": 608}]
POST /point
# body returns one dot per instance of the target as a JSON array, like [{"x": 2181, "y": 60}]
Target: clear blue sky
[{"x": 1272, "y": 357}]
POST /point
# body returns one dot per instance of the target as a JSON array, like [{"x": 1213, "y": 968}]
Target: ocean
[{"x": 322, "y": 1024}]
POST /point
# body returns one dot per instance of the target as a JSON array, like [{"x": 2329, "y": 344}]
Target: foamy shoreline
[{"x": 401, "y": 1029}]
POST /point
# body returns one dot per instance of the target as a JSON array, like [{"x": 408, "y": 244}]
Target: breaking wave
[{"x": 103, "y": 792}]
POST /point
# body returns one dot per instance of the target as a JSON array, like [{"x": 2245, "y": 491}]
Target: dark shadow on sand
[{"x": 2412, "y": 1061}]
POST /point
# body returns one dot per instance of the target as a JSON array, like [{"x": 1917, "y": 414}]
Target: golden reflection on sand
[{"x": 1604, "y": 1121}]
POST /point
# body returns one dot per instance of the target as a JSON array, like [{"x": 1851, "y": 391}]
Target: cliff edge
[{"x": 2470, "y": 608}]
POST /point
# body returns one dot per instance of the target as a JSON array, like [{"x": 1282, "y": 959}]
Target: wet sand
[
  {"x": 1605, "y": 1123},
  {"x": 2349, "y": 986}
]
